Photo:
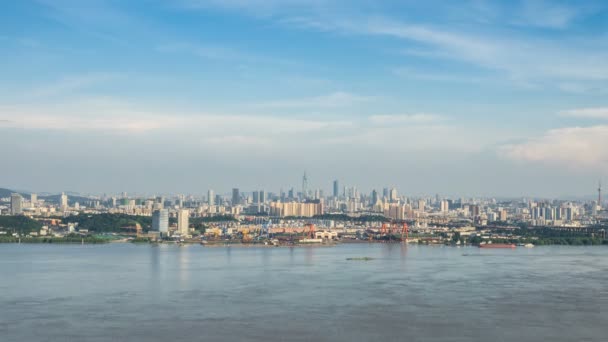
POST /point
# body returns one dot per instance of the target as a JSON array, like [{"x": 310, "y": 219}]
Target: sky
[{"x": 459, "y": 98}]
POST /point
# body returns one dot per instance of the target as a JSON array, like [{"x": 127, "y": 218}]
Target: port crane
[{"x": 395, "y": 228}]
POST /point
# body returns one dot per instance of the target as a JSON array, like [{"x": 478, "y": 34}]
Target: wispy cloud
[
  {"x": 526, "y": 60},
  {"x": 571, "y": 147},
  {"x": 335, "y": 99},
  {"x": 587, "y": 113},
  {"x": 222, "y": 53},
  {"x": 433, "y": 76},
  {"x": 547, "y": 14},
  {"x": 72, "y": 83},
  {"x": 418, "y": 118}
]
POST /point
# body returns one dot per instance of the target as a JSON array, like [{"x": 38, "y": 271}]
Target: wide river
[{"x": 125, "y": 292}]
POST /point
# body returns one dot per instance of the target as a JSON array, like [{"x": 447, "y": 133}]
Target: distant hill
[
  {"x": 71, "y": 199},
  {"x": 8, "y": 192},
  {"x": 48, "y": 198}
]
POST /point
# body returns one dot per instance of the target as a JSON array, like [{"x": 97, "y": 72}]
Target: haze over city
[{"x": 469, "y": 98}]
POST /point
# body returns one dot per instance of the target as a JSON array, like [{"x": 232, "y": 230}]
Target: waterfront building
[
  {"x": 160, "y": 221},
  {"x": 183, "y": 222}
]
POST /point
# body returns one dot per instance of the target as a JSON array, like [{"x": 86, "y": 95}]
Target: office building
[
  {"x": 16, "y": 204},
  {"x": 210, "y": 197},
  {"x": 33, "y": 200},
  {"x": 393, "y": 195},
  {"x": 336, "y": 189},
  {"x": 183, "y": 222},
  {"x": 444, "y": 206},
  {"x": 305, "y": 209},
  {"x": 160, "y": 221},
  {"x": 236, "y": 197},
  {"x": 63, "y": 201}
]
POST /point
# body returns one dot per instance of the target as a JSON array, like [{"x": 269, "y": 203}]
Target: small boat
[
  {"x": 497, "y": 245},
  {"x": 529, "y": 245}
]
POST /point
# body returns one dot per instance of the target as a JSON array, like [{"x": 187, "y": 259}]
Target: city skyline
[{"x": 503, "y": 98}]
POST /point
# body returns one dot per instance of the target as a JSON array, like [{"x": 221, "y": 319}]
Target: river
[{"x": 126, "y": 292}]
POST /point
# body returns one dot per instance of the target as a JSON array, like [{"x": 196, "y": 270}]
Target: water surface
[{"x": 125, "y": 292}]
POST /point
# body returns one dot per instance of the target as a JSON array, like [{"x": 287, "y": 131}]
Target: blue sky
[{"x": 499, "y": 98}]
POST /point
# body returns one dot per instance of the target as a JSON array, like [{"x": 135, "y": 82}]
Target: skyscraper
[
  {"x": 16, "y": 204},
  {"x": 256, "y": 197},
  {"x": 374, "y": 197},
  {"x": 336, "y": 189},
  {"x": 236, "y": 197},
  {"x": 63, "y": 201},
  {"x": 33, "y": 200},
  {"x": 210, "y": 197},
  {"x": 160, "y": 221},
  {"x": 304, "y": 186},
  {"x": 599, "y": 194},
  {"x": 183, "y": 222},
  {"x": 393, "y": 195},
  {"x": 262, "y": 196}
]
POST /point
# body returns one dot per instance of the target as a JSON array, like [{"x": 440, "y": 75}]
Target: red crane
[
  {"x": 311, "y": 230},
  {"x": 404, "y": 231}
]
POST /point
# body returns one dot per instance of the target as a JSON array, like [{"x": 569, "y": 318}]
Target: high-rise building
[
  {"x": 393, "y": 195},
  {"x": 210, "y": 197},
  {"x": 304, "y": 186},
  {"x": 306, "y": 209},
  {"x": 160, "y": 221},
  {"x": 16, "y": 204},
  {"x": 33, "y": 200},
  {"x": 395, "y": 211},
  {"x": 374, "y": 197},
  {"x": 385, "y": 193},
  {"x": 444, "y": 206},
  {"x": 63, "y": 201},
  {"x": 236, "y": 197},
  {"x": 256, "y": 197},
  {"x": 336, "y": 189},
  {"x": 599, "y": 195},
  {"x": 421, "y": 204},
  {"x": 262, "y": 196},
  {"x": 502, "y": 215},
  {"x": 183, "y": 222}
]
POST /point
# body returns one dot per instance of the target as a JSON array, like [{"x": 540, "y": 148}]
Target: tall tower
[
  {"x": 305, "y": 186},
  {"x": 599, "y": 194},
  {"x": 336, "y": 189}
]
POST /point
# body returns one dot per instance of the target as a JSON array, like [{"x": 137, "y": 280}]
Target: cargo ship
[{"x": 497, "y": 245}]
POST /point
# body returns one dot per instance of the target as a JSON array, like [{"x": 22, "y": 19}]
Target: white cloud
[
  {"x": 587, "y": 113},
  {"x": 546, "y": 14},
  {"x": 418, "y": 118},
  {"x": 335, "y": 99},
  {"x": 71, "y": 83},
  {"x": 572, "y": 147}
]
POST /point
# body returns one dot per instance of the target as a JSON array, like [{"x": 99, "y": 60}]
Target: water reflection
[{"x": 183, "y": 267}]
